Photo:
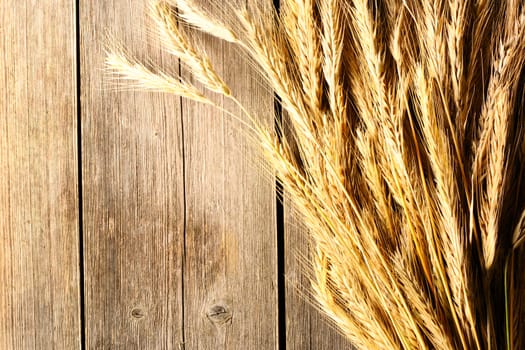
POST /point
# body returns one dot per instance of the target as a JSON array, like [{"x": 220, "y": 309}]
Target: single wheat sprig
[
  {"x": 177, "y": 43},
  {"x": 199, "y": 18},
  {"x": 137, "y": 76}
]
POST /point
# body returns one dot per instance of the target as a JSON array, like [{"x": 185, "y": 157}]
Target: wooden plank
[
  {"x": 132, "y": 192},
  {"x": 230, "y": 276},
  {"x": 39, "y": 263},
  {"x": 306, "y": 327}
]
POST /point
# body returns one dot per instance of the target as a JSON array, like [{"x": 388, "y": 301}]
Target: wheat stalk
[{"x": 402, "y": 150}]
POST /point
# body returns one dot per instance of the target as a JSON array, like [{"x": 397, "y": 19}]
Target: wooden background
[{"x": 133, "y": 220}]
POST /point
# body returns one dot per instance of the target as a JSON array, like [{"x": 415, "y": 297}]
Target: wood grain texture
[
  {"x": 179, "y": 223},
  {"x": 133, "y": 192},
  {"x": 230, "y": 276},
  {"x": 306, "y": 327},
  {"x": 39, "y": 263}
]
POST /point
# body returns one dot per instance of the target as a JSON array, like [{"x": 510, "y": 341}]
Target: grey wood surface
[
  {"x": 133, "y": 194},
  {"x": 230, "y": 282},
  {"x": 179, "y": 243},
  {"x": 39, "y": 260}
]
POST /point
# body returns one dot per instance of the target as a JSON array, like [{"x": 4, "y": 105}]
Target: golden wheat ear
[
  {"x": 124, "y": 72},
  {"x": 197, "y": 17},
  {"x": 177, "y": 43}
]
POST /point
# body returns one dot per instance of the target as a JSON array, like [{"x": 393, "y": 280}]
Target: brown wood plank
[
  {"x": 230, "y": 276},
  {"x": 306, "y": 327},
  {"x": 133, "y": 195},
  {"x": 39, "y": 263}
]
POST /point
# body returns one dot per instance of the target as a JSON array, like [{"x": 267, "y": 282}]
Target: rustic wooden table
[{"x": 133, "y": 220}]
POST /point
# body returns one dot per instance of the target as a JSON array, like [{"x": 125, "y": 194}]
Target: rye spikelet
[{"x": 402, "y": 149}]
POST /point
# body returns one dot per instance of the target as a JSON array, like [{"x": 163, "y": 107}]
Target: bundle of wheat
[{"x": 403, "y": 153}]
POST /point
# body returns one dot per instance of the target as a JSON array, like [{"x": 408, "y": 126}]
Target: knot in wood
[
  {"x": 137, "y": 313},
  {"x": 219, "y": 315}
]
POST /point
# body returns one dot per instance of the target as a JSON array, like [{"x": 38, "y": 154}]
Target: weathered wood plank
[
  {"x": 230, "y": 274},
  {"x": 306, "y": 327},
  {"x": 39, "y": 263},
  {"x": 133, "y": 192}
]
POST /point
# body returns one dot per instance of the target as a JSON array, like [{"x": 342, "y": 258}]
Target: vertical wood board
[
  {"x": 133, "y": 195},
  {"x": 39, "y": 262},
  {"x": 230, "y": 276}
]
